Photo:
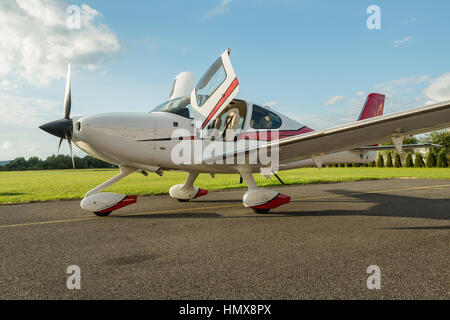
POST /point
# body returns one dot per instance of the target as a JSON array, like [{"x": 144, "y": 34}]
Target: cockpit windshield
[{"x": 180, "y": 106}]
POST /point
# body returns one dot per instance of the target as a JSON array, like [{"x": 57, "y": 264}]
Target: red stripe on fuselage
[
  {"x": 230, "y": 89},
  {"x": 273, "y": 135}
]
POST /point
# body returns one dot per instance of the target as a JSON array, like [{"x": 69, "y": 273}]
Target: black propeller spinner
[{"x": 63, "y": 128}]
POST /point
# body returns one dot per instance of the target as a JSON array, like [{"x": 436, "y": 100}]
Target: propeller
[{"x": 63, "y": 128}]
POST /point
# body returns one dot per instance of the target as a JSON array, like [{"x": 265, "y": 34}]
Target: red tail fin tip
[{"x": 373, "y": 106}]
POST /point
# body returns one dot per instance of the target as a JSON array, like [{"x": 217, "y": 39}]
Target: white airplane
[{"x": 233, "y": 136}]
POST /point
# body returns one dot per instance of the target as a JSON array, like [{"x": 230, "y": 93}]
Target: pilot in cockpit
[
  {"x": 231, "y": 125},
  {"x": 225, "y": 126}
]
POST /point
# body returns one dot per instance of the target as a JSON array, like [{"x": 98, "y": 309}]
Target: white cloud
[
  {"x": 411, "y": 20},
  {"x": 439, "y": 90},
  {"x": 389, "y": 87},
  {"x": 36, "y": 44},
  {"x": 220, "y": 9},
  {"x": 404, "y": 81},
  {"x": 398, "y": 43},
  {"x": 19, "y": 112},
  {"x": 401, "y": 94},
  {"x": 7, "y": 85},
  {"x": 331, "y": 117},
  {"x": 5, "y": 145},
  {"x": 334, "y": 100},
  {"x": 19, "y": 126},
  {"x": 271, "y": 104},
  {"x": 404, "y": 93}
]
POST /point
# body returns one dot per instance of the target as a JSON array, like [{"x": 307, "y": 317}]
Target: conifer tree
[
  {"x": 442, "y": 161},
  {"x": 409, "y": 161},
  {"x": 398, "y": 161},
  {"x": 431, "y": 159},
  {"x": 418, "y": 161},
  {"x": 380, "y": 161},
  {"x": 389, "y": 160}
]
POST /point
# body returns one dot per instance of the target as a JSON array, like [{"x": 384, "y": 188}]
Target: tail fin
[{"x": 373, "y": 107}]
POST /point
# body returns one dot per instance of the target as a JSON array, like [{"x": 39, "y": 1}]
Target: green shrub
[
  {"x": 389, "y": 160},
  {"x": 409, "y": 161},
  {"x": 442, "y": 161},
  {"x": 398, "y": 161},
  {"x": 431, "y": 159},
  {"x": 418, "y": 161},
  {"x": 380, "y": 161}
]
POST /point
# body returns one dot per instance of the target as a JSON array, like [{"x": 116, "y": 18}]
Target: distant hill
[{"x": 2, "y": 163}]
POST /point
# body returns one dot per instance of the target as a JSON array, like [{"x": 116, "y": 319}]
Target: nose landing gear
[{"x": 103, "y": 203}]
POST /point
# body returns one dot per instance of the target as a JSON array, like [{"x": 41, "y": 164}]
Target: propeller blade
[
  {"x": 70, "y": 148},
  {"x": 59, "y": 146},
  {"x": 67, "y": 97}
]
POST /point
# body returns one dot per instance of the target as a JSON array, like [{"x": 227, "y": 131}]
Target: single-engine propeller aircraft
[{"x": 203, "y": 128}]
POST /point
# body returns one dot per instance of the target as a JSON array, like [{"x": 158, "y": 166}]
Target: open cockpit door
[{"x": 216, "y": 89}]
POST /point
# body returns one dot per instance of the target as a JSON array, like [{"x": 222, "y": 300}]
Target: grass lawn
[{"x": 33, "y": 186}]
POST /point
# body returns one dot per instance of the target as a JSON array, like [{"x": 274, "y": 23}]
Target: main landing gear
[
  {"x": 261, "y": 200},
  {"x": 187, "y": 191}
]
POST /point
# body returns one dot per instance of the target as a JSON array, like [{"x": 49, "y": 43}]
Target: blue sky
[{"x": 313, "y": 60}]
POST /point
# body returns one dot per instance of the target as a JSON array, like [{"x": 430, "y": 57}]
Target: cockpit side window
[{"x": 264, "y": 119}]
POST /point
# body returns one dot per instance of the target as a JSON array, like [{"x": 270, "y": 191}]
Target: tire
[
  {"x": 183, "y": 200},
  {"x": 102, "y": 214},
  {"x": 261, "y": 211}
]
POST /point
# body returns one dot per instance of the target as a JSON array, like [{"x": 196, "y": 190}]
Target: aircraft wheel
[
  {"x": 261, "y": 211},
  {"x": 102, "y": 214},
  {"x": 183, "y": 200}
]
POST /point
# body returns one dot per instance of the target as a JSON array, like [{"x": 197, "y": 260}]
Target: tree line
[
  {"x": 432, "y": 160},
  {"x": 393, "y": 160},
  {"x": 436, "y": 157},
  {"x": 54, "y": 162}
]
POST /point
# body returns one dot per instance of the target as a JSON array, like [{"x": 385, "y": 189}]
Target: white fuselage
[{"x": 145, "y": 141}]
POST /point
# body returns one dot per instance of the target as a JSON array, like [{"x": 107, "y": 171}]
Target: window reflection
[
  {"x": 212, "y": 79},
  {"x": 180, "y": 106}
]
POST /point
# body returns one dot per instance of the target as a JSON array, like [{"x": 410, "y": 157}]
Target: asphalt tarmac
[{"x": 317, "y": 247}]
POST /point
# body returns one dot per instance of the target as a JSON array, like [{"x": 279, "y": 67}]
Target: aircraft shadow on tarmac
[
  {"x": 179, "y": 215},
  {"x": 384, "y": 205},
  {"x": 220, "y": 201}
]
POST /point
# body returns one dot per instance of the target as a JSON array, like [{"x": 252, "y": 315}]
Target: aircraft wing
[
  {"x": 405, "y": 147},
  {"x": 361, "y": 133}
]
